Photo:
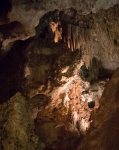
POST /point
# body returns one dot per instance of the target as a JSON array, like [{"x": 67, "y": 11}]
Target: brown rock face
[
  {"x": 103, "y": 134},
  {"x": 54, "y": 90},
  {"x": 16, "y": 126}
]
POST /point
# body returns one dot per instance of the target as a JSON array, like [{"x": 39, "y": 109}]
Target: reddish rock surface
[{"x": 104, "y": 131}]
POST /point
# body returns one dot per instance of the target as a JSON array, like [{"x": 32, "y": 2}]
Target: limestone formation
[
  {"x": 16, "y": 126},
  {"x": 104, "y": 131},
  {"x": 60, "y": 55}
]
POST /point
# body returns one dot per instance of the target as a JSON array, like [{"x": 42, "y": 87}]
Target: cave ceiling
[
  {"x": 93, "y": 25},
  {"x": 26, "y": 14}
]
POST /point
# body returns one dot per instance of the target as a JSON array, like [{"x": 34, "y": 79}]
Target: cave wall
[
  {"x": 93, "y": 37},
  {"x": 95, "y": 34},
  {"x": 103, "y": 134},
  {"x": 53, "y": 87},
  {"x": 48, "y": 73},
  {"x": 11, "y": 72},
  {"x": 45, "y": 65},
  {"x": 16, "y": 126}
]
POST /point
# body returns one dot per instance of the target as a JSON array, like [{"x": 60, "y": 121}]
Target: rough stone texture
[
  {"x": 27, "y": 13},
  {"x": 47, "y": 72},
  {"x": 96, "y": 39},
  {"x": 54, "y": 89},
  {"x": 11, "y": 72},
  {"x": 95, "y": 34},
  {"x": 104, "y": 131},
  {"x": 50, "y": 81},
  {"x": 16, "y": 126},
  {"x": 54, "y": 77},
  {"x": 35, "y": 9}
]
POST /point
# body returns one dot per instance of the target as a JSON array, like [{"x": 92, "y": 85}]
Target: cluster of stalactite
[
  {"x": 67, "y": 27},
  {"x": 71, "y": 36}
]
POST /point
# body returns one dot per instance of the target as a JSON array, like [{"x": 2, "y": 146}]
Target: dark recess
[
  {"x": 11, "y": 72},
  {"x": 5, "y": 7}
]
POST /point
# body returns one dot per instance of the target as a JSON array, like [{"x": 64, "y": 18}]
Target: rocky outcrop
[
  {"x": 103, "y": 134},
  {"x": 16, "y": 126}
]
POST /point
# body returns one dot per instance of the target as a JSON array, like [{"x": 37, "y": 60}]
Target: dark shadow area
[
  {"x": 39, "y": 100},
  {"x": 95, "y": 71},
  {"x": 43, "y": 30},
  {"x": 11, "y": 72},
  {"x": 85, "y": 71},
  {"x": 91, "y": 104},
  {"x": 105, "y": 73},
  {"x": 48, "y": 148},
  {"x": 5, "y": 7},
  {"x": 7, "y": 28}
]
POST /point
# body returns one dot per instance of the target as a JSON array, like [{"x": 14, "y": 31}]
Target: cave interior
[{"x": 59, "y": 75}]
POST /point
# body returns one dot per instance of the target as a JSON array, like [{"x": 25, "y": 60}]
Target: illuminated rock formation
[
  {"x": 104, "y": 130},
  {"x": 59, "y": 55}
]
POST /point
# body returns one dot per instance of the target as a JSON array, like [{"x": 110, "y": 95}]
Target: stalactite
[
  {"x": 73, "y": 36},
  {"x": 77, "y": 31},
  {"x": 76, "y": 36},
  {"x": 65, "y": 41},
  {"x": 68, "y": 43},
  {"x": 69, "y": 35},
  {"x": 69, "y": 31},
  {"x": 72, "y": 48},
  {"x": 76, "y": 42}
]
